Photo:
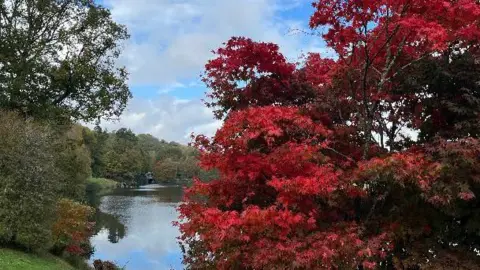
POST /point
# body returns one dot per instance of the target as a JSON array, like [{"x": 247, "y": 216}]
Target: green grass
[
  {"x": 101, "y": 183},
  {"x": 17, "y": 260}
]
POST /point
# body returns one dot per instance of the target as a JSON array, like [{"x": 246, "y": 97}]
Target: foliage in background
[
  {"x": 165, "y": 170},
  {"x": 124, "y": 159},
  {"x": 73, "y": 159},
  {"x": 124, "y": 156},
  {"x": 367, "y": 161}
]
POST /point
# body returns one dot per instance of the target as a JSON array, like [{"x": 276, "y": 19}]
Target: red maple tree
[{"x": 370, "y": 160}]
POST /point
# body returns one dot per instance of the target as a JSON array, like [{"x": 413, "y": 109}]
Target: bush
[
  {"x": 38, "y": 165},
  {"x": 28, "y": 182},
  {"x": 98, "y": 184},
  {"x": 72, "y": 228},
  {"x": 104, "y": 265}
]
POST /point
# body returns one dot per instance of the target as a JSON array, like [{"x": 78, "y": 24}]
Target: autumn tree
[
  {"x": 369, "y": 160},
  {"x": 57, "y": 60},
  {"x": 166, "y": 170},
  {"x": 71, "y": 228}
]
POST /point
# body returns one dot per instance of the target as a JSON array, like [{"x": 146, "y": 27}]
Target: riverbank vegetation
[
  {"x": 17, "y": 260},
  {"x": 126, "y": 157},
  {"x": 370, "y": 160},
  {"x": 57, "y": 67},
  {"x": 100, "y": 184}
]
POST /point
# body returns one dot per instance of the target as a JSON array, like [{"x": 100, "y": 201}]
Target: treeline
[
  {"x": 124, "y": 156},
  {"x": 57, "y": 68},
  {"x": 44, "y": 168}
]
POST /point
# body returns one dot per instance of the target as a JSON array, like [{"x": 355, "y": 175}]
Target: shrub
[
  {"x": 38, "y": 165},
  {"x": 28, "y": 182},
  {"x": 72, "y": 228},
  {"x": 104, "y": 265}
]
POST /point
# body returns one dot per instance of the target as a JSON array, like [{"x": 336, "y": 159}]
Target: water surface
[{"x": 134, "y": 228}]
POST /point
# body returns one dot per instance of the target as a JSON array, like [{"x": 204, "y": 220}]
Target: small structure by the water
[
  {"x": 149, "y": 176},
  {"x": 139, "y": 180}
]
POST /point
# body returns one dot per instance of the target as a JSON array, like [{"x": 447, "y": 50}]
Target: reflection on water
[
  {"x": 116, "y": 230},
  {"x": 134, "y": 228}
]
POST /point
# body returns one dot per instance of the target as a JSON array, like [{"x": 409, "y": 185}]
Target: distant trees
[
  {"x": 149, "y": 146},
  {"x": 178, "y": 162},
  {"x": 166, "y": 170},
  {"x": 121, "y": 155},
  {"x": 124, "y": 158}
]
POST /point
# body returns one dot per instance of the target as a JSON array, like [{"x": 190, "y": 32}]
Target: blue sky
[{"x": 171, "y": 40}]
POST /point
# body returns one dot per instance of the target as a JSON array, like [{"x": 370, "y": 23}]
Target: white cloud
[
  {"x": 171, "y": 88},
  {"x": 167, "y": 118},
  {"x": 207, "y": 129},
  {"x": 172, "y": 40}
]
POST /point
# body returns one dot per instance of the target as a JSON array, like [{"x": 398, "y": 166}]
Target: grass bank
[
  {"x": 100, "y": 184},
  {"x": 17, "y": 260}
]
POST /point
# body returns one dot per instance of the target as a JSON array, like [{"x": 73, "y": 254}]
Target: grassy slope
[
  {"x": 16, "y": 260},
  {"x": 102, "y": 183}
]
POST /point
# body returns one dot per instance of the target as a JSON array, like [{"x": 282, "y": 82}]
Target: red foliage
[
  {"x": 247, "y": 73},
  {"x": 72, "y": 227},
  {"x": 314, "y": 170}
]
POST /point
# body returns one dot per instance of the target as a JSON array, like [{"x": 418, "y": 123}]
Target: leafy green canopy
[{"x": 57, "y": 60}]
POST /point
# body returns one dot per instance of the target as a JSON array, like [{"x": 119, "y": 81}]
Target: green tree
[
  {"x": 29, "y": 179},
  {"x": 96, "y": 142},
  {"x": 57, "y": 60},
  {"x": 170, "y": 150},
  {"x": 40, "y": 164},
  {"x": 148, "y": 142},
  {"x": 207, "y": 176},
  {"x": 189, "y": 168},
  {"x": 124, "y": 158},
  {"x": 73, "y": 162},
  {"x": 148, "y": 145}
]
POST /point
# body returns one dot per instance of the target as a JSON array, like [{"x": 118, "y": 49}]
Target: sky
[{"x": 171, "y": 40}]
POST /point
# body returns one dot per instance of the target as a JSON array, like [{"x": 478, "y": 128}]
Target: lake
[{"x": 134, "y": 228}]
